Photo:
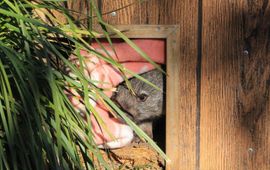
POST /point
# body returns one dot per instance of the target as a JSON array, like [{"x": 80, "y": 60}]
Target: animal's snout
[
  {"x": 123, "y": 106},
  {"x": 120, "y": 104}
]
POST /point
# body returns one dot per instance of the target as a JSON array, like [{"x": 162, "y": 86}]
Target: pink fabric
[{"x": 97, "y": 69}]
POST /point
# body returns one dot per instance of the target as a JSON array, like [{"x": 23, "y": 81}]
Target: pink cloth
[{"x": 99, "y": 70}]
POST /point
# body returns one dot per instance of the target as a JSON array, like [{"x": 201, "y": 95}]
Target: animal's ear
[
  {"x": 142, "y": 97},
  {"x": 121, "y": 87}
]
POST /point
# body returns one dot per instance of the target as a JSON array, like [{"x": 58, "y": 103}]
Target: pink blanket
[{"x": 101, "y": 71}]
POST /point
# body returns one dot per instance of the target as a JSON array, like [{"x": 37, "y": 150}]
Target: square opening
[{"x": 165, "y": 126}]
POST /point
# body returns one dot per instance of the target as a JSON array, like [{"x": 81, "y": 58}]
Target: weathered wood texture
[
  {"x": 235, "y": 83},
  {"x": 224, "y": 58}
]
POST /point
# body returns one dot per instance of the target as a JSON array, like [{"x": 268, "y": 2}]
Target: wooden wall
[{"x": 225, "y": 78}]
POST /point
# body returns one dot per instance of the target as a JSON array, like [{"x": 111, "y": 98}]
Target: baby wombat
[{"x": 147, "y": 104}]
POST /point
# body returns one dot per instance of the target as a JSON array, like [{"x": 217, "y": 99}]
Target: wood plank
[
  {"x": 173, "y": 112},
  {"x": 131, "y": 11},
  {"x": 143, "y": 31},
  {"x": 253, "y": 100},
  {"x": 235, "y": 85}
]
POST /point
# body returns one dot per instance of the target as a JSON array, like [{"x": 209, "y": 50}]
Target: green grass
[{"x": 39, "y": 128}]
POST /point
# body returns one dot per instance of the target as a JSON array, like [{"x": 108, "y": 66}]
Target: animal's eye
[{"x": 142, "y": 97}]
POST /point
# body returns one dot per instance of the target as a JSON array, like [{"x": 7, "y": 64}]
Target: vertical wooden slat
[
  {"x": 223, "y": 143},
  {"x": 235, "y": 85},
  {"x": 253, "y": 99},
  {"x": 185, "y": 14},
  {"x": 173, "y": 116},
  {"x": 220, "y": 133}
]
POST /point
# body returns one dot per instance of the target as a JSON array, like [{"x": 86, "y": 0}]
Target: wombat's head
[{"x": 147, "y": 103}]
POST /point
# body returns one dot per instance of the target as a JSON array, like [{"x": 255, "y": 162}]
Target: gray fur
[{"x": 143, "y": 111}]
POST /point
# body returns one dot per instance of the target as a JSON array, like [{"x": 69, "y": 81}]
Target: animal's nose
[{"x": 124, "y": 107}]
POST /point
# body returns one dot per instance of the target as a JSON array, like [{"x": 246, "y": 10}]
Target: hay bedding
[{"x": 137, "y": 156}]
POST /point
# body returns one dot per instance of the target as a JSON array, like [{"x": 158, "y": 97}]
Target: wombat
[{"x": 147, "y": 104}]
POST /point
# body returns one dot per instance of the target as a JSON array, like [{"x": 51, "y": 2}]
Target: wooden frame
[{"x": 171, "y": 34}]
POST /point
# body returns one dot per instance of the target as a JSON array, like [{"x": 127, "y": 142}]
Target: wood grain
[
  {"x": 173, "y": 135},
  {"x": 235, "y": 85}
]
